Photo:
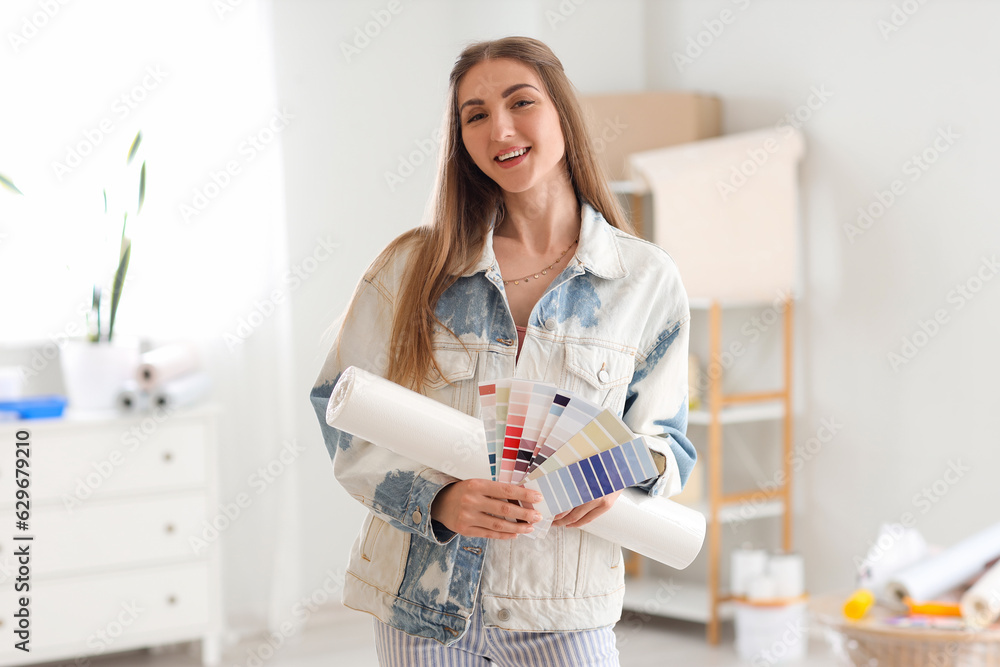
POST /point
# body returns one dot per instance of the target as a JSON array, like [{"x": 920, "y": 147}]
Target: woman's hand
[
  {"x": 587, "y": 512},
  {"x": 479, "y": 508}
]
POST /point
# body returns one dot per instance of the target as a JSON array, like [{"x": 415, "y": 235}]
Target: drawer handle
[
  {"x": 171, "y": 599},
  {"x": 169, "y": 527},
  {"x": 167, "y": 456}
]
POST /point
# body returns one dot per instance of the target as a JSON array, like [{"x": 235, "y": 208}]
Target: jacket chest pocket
[
  {"x": 599, "y": 374},
  {"x": 456, "y": 384}
]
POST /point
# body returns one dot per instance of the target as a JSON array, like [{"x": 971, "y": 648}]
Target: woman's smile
[{"x": 512, "y": 157}]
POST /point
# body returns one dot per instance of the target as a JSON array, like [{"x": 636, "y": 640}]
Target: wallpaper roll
[
  {"x": 981, "y": 603},
  {"x": 745, "y": 564},
  {"x": 408, "y": 423},
  {"x": 440, "y": 437},
  {"x": 656, "y": 528},
  {"x": 167, "y": 363},
  {"x": 181, "y": 392},
  {"x": 132, "y": 398},
  {"x": 933, "y": 576},
  {"x": 788, "y": 572}
]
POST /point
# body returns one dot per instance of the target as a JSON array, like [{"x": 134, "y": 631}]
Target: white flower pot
[{"x": 94, "y": 372}]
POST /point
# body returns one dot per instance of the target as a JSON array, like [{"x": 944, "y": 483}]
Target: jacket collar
[{"x": 598, "y": 251}]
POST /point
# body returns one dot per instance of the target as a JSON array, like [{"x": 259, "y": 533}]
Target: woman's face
[{"x": 505, "y": 112}]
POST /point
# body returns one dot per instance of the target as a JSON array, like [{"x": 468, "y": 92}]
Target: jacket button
[
  {"x": 550, "y": 324},
  {"x": 503, "y": 615},
  {"x": 603, "y": 375},
  {"x": 415, "y": 516}
]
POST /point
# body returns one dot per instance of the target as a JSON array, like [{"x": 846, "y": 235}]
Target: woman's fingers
[
  {"x": 481, "y": 508},
  {"x": 582, "y": 515}
]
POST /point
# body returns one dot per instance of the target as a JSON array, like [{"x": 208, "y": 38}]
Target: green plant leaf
[
  {"x": 9, "y": 184},
  {"x": 142, "y": 187},
  {"x": 105, "y": 201},
  {"x": 116, "y": 291},
  {"x": 134, "y": 147},
  {"x": 121, "y": 252},
  {"x": 97, "y": 309}
]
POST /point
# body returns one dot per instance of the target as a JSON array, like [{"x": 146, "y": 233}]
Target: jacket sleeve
[
  {"x": 656, "y": 403},
  {"x": 399, "y": 490}
]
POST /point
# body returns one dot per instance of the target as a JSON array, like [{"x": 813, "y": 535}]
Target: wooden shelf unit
[{"x": 709, "y": 604}]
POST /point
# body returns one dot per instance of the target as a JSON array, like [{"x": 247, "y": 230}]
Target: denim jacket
[{"x": 613, "y": 327}]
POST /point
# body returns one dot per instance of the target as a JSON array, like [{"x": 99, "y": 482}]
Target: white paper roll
[
  {"x": 761, "y": 587},
  {"x": 788, "y": 572},
  {"x": 895, "y": 549},
  {"x": 167, "y": 363},
  {"x": 981, "y": 603},
  {"x": 745, "y": 564},
  {"x": 408, "y": 423},
  {"x": 11, "y": 382},
  {"x": 181, "y": 392},
  {"x": 440, "y": 437},
  {"x": 656, "y": 528},
  {"x": 132, "y": 398},
  {"x": 933, "y": 576}
]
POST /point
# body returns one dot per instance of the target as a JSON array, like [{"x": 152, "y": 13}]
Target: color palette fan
[{"x": 559, "y": 444}]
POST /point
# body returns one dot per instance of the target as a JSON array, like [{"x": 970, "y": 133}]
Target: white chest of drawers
[{"x": 114, "y": 505}]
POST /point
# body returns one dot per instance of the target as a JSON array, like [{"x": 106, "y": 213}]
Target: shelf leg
[
  {"x": 714, "y": 467},
  {"x": 787, "y": 486}
]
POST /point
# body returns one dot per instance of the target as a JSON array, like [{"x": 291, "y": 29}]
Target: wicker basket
[{"x": 872, "y": 643}]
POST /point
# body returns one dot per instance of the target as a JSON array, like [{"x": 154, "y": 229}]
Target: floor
[{"x": 344, "y": 638}]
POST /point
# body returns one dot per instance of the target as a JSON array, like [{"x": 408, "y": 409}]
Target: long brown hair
[{"x": 466, "y": 201}]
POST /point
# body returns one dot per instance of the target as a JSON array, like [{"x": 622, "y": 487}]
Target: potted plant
[{"x": 96, "y": 366}]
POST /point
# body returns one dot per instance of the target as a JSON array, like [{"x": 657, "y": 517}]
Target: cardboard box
[{"x": 625, "y": 123}]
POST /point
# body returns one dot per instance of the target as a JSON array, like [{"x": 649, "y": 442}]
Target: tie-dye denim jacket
[{"x": 613, "y": 326}]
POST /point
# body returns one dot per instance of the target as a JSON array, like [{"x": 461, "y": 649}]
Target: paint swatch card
[
  {"x": 517, "y": 407},
  {"x": 593, "y": 477},
  {"x": 539, "y": 397},
  {"x": 576, "y": 414},
  {"x": 502, "y": 397},
  {"x": 559, "y": 400},
  {"x": 488, "y": 400},
  {"x": 603, "y": 432},
  {"x": 559, "y": 444}
]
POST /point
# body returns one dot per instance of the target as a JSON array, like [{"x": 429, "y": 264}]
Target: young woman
[{"x": 527, "y": 269}]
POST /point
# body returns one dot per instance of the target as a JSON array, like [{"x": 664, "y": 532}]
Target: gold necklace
[{"x": 543, "y": 271}]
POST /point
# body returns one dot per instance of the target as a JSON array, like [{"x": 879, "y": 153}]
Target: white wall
[{"x": 889, "y": 96}]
